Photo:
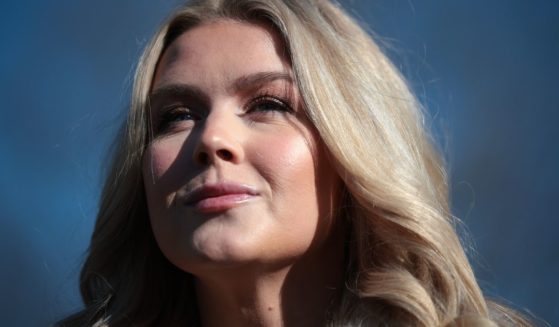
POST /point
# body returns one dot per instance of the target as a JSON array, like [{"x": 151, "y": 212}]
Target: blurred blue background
[{"x": 487, "y": 71}]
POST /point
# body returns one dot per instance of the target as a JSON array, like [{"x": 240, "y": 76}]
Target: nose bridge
[
  {"x": 219, "y": 138},
  {"x": 217, "y": 126}
]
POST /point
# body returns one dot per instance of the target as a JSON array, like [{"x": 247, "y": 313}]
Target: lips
[{"x": 218, "y": 197}]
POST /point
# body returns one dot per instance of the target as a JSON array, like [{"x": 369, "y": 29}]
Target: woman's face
[{"x": 235, "y": 174}]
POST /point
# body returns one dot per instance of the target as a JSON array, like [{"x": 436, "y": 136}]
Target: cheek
[
  {"x": 300, "y": 195},
  {"x": 159, "y": 157},
  {"x": 160, "y": 179},
  {"x": 303, "y": 191},
  {"x": 288, "y": 164}
]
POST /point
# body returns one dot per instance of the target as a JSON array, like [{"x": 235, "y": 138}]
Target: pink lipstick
[{"x": 210, "y": 198}]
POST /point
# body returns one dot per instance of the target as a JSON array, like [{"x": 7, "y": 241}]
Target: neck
[{"x": 297, "y": 294}]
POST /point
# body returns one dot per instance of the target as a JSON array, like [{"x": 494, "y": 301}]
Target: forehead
[{"x": 224, "y": 48}]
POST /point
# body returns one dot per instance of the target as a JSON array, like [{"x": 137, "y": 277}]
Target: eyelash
[
  {"x": 280, "y": 104},
  {"x": 173, "y": 114}
]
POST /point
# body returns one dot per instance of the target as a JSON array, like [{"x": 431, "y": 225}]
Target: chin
[{"x": 218, "y": 251}]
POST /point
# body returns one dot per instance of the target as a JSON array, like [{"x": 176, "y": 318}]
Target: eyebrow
[
  {"x": 254, "y": 80},
  {"x": 243, "y": 83},
  {"x": 176, "y": 91}
]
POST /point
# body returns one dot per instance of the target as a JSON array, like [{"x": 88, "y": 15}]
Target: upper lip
[{"x": 217, "y": 189}]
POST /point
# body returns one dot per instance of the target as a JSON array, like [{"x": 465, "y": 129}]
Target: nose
[{"x": 219, "y": 140}]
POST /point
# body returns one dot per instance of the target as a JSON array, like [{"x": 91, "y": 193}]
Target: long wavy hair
[{"x": 406, "y": 265}]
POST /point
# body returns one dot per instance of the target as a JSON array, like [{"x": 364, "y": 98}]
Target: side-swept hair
[{"x": 406, "y": 265}]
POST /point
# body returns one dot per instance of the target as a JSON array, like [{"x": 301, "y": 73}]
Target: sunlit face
[{"x": 235, "y": 174}]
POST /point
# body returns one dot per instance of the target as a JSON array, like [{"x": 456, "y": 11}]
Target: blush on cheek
[
  {"x": 158, "y": 158},
  {"x": 297, "y": 154},
  {"x": 293, "y": 165}
]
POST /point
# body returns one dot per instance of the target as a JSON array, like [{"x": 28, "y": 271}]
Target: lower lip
[{"x": 221, "y": 203}]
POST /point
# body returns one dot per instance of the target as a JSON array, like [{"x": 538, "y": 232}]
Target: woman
[{"x": 274, "y": 170}]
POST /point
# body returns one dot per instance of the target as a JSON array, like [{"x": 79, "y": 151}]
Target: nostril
[
  {"x": 203, "y": 158},
  {"x": 225, "y": 154}
]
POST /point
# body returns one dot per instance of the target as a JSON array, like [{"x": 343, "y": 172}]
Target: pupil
[
  {"x": 269, "y": 106},
  {"x": 183, "y": 116}
]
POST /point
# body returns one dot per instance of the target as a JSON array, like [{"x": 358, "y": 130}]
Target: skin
[{"x": 260, "y": 261}]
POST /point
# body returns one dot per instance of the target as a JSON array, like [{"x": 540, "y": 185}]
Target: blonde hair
[{"x": 406, "y": 265}]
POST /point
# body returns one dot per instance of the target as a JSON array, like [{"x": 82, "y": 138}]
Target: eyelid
[
  {"x": 165, "y": 115},
  {"x": 171, "y": 97},
  {"x": 270, "y": 98},
  {"x": 282, "y": 100}
]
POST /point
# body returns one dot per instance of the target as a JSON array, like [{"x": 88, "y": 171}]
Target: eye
[
  {"x": 268, "y": 104},
  {"x": 176, "y": 116}
]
